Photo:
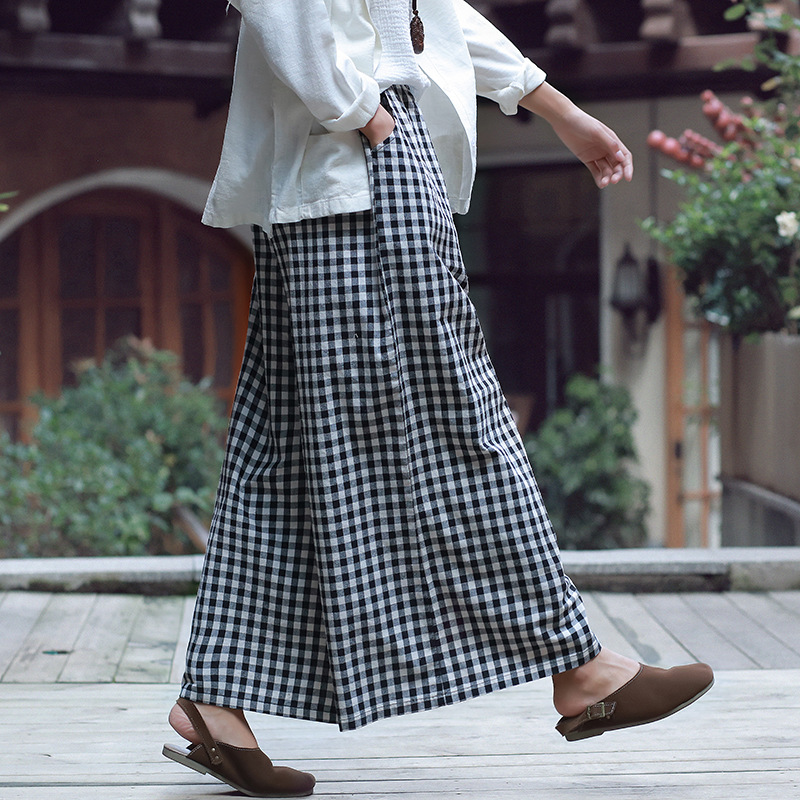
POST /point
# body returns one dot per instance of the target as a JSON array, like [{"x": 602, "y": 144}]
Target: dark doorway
[{"x": 531, "y": 246}]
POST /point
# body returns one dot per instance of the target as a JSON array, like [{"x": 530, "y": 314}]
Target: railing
[{"x": 760, "y": 412}]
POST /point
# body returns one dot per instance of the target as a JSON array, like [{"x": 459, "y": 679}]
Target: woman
[{"x": 379, "y": 545}]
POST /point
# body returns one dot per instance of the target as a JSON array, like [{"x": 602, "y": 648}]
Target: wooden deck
[{"x": 86, "y": 681}]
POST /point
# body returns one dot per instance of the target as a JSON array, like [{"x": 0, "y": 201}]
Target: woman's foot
[
  {"x": 611, "y": 692},
  {"x": 224, "y": 724},
  {"x": 583, "y": 686},
  {"x": 224, "y": 747}
]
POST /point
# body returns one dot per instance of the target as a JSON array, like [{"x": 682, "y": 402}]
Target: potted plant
[
  {"x": 734, "y": 240},
  {"x": 583, "y": 455},
  {"x": 735, "y": 236}
]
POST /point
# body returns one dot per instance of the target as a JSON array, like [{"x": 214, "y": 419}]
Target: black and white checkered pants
[{"x": 379, "y": 545}]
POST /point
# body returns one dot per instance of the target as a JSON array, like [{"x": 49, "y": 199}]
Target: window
[{"x": 108, "y": 264}]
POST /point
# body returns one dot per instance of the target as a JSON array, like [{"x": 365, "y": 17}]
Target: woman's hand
[
  {"x": 379, "y": 128},
  {"x": 596, "y": 145},
  {"x": 592, "y": 142}
]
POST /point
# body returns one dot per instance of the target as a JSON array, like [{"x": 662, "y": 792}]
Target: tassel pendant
[{"x": 417, "y": 30}]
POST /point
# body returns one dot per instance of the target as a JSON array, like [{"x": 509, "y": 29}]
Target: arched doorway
[{"x": 113, "y": 262}]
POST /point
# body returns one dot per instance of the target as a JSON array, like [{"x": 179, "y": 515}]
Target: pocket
[
  {"x": 391, "y": 137},
  {"x": 332, "y": 166},
  {"x": 386, "y": 142}
]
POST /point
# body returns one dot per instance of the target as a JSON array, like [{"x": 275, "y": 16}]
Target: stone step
[{"x": 632, "y": 570}]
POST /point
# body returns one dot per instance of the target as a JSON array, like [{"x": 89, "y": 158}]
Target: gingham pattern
[{"x": 379, "y": 543}]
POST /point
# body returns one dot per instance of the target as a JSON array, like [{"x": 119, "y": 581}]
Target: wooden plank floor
[
  {"x": 86, "y": 681},
  {"x": 739, "y": 742},
  {"x": 98, "y": 638}
]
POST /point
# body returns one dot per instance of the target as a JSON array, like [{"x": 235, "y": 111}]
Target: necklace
[{"x": 417, "y": 30}]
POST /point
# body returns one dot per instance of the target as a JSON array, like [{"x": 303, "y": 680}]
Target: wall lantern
[{"x": 635, "y": 290}]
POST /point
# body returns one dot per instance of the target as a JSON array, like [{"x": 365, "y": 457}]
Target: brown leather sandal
[
  {"x": 651, "y": 695},
  {"x": 246, "y": 769}
]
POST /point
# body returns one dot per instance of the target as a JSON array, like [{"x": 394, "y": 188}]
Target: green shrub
[
  {"x": 5, "y": 196},
  {"x": 582, "y": 455},
  {"x": 111, "y": 459}
]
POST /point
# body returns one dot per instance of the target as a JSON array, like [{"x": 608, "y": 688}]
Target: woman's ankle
[
  {"x": 578, "y": 688},
  {"x": 224, "y": 724}
]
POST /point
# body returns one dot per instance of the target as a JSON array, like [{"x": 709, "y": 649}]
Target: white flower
[{"x": 788, "y": 224}]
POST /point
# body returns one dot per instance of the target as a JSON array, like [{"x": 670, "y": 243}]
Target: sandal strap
[{"x": 198, "y": 723}]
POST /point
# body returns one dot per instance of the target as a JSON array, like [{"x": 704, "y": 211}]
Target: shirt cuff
[
  {"x": 360, "y": 112},
  {"x": 529, "y": 79}
]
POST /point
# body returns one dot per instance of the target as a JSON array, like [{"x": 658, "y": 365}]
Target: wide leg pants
[{"x": 379, "y": 545}]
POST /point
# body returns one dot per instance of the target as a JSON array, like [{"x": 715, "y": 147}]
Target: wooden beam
[
  {"x": 78, "y": 53},
  {"x": 109, "y": 64},
  {"x": 572, "y": 25},
  {"x": 667, "y": 21},
  {"x": 27, "y": 16},
  {"x": 636, "y": 69},
  {"x": 142, "y": 19}
]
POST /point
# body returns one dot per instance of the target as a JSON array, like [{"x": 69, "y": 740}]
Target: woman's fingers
[{"x": 611, "y": 169}]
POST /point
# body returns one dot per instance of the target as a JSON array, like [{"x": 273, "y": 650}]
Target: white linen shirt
[{"x": 304, "y": 82}]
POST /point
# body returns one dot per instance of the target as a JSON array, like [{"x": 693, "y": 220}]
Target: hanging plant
[{"x": 735, "y": 235}]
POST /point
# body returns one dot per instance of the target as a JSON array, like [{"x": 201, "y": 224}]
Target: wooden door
[
  {"x": 111, "y": 263},
  {"x": 693, "y": 490}
]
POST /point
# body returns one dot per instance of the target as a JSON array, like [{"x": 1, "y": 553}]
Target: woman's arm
[
  {"x": 503, "y": 74},
  {"x": 594, "y": 143},
  {"x": 297, "y": 40}
]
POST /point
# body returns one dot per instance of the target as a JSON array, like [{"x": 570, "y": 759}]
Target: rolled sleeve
[
  {"x": 360, "y": 111},
  {"x": 297, "y": 40},
  {"x": 529, "y": 79},
  {"x": 502, "y": 73}
]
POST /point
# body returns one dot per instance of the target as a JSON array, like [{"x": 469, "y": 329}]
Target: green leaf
[
  {"x": 162, "y": 502},
  {"x": 735, "y": 12},
  {"x": 746, "y": 63}
]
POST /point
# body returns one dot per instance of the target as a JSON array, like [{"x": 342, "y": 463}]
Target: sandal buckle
[{"x": 601, "y": 710}]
